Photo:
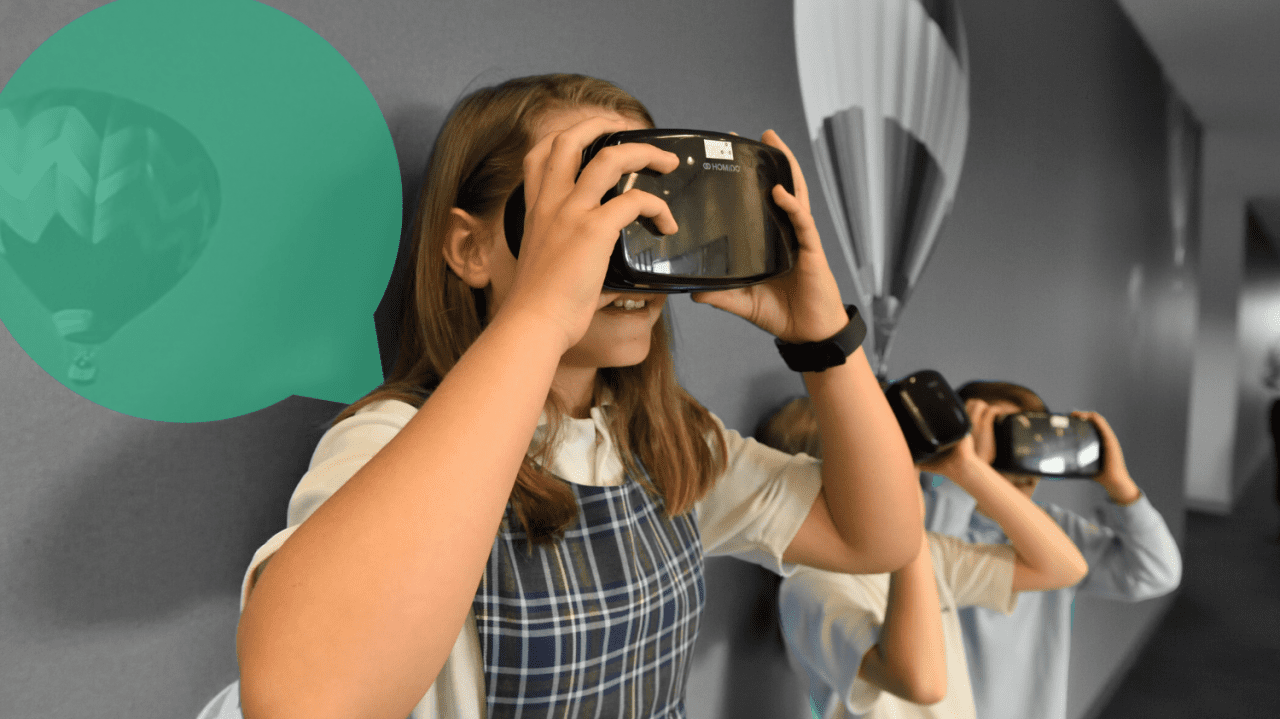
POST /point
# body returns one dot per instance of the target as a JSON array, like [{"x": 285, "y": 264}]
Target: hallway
[{"x": 1216, "y": 654}]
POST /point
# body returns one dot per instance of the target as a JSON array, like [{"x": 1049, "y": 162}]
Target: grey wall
[{"x": 122, "y": 541}]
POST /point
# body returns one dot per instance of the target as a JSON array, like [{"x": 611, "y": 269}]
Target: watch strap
[{"x": 824, "y": 354}]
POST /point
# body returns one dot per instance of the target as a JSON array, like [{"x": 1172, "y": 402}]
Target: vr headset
[
  {"x": 931, "y": 415},
  {"x": 1048, "y": 445},
  {"x": 933, "y": 419},
  {"x": 732, "y": 233}
]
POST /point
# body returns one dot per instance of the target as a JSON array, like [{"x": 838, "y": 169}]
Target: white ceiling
[{"x": 1222, "y": 55}]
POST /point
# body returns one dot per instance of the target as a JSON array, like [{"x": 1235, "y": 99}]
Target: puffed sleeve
[
  {"x": 829, "y": 622},
  {"x": 757, "y": 506},
  {"x": 341, "y": 452},
  {"x": 979, "y": 575}
]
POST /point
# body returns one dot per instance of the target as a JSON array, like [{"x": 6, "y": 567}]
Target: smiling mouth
[{"x": 622, "y": 304}]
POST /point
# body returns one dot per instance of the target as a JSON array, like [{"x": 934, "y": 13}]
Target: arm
[
  {"x": 1046, "y": 556},
  {"x": 909, "y": 660},
  {"x": 866, "y": 475},
  {"x": 849, "y": 637},
  {"x": 867, "y": 517},
  {"x": 1131, "y": 553},
  {"x": 362, "y": 566},
  {"x": 357, "y": 611}
]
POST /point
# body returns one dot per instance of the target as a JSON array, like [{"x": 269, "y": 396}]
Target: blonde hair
[
  {"x": 793, "y": 428},
  {"x": 475, "y": 164}
]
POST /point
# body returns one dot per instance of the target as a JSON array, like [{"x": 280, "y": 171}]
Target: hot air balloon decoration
[
  {"x": 104, "y": 205},
  {"x": 886, "y": 95}
]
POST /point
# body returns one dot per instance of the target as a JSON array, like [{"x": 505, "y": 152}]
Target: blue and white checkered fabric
[{"x": 599, "y": 625}]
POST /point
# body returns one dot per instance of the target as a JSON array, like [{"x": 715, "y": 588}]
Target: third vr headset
[
  {"x": 1049, "y": 445},
  {"x": 732, "y": 233}
]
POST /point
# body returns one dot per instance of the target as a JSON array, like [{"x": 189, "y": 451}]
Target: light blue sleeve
[
  {"x": 1132, "y": 555},
  {"x": 947, "y": 510}
]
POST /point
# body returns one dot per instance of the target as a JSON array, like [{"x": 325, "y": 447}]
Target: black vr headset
[
  {"x": 1047, "y": 445},
  {"x": 732, "y": 233},
  {"x": 932, "y": 417}
]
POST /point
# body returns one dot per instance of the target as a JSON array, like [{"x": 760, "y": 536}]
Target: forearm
[
  {"x": 909, "y": 660},
  {"x": 1122, "y": 490},
  {"x": 357, "y": 612},
  {"x": 1041, "y": 545},
  {"x": 867, "y": 474},
  {"x": 1134, "y": 556}
]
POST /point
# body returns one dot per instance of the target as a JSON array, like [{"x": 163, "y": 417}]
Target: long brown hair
[{"x": 475, "y": 164}]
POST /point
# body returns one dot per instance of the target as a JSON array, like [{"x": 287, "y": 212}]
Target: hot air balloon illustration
[
  {"x": 886, "y": 95},
  {"x": 104, "y": 205}
]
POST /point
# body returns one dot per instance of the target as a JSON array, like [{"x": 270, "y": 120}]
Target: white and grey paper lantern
[{"x": 886, "y": 95}]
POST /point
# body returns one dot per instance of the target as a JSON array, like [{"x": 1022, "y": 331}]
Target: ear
[{"x": 467, "y": 248}]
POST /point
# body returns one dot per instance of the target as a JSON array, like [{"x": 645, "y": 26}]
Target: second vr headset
[
  {"x": 933, "y": 419},
  {"x": 732, "y": 233}
]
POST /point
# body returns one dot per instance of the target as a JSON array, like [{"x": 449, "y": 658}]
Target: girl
[{"x": 514, "y": 523}]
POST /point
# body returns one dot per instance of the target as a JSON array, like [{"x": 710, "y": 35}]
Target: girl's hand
[
  {"x": 569, "y": 235},
  {"x": 803, "y": 305}
]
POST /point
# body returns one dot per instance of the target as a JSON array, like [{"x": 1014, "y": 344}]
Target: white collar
[{"x": 584, "y": 452}]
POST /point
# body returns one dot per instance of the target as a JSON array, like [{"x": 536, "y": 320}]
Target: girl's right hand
[{"x": 569, "y": 235}]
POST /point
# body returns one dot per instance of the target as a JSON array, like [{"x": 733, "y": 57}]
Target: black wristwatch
[{"x": 831, "y": 352}]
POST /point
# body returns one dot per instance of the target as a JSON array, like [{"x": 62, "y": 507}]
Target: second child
[{"x": 890, "y": 645}]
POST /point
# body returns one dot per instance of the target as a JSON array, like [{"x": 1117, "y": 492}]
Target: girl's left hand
[{"x": 803, "y": 305}]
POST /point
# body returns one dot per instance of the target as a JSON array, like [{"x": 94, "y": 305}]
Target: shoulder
[
  {"x": 755, "y": 508},
  {"x": 745, "y": 451},
  {"x": 365, "y": 432}
]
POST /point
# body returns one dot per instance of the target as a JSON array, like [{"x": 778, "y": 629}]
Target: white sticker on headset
[{"x": 718, "y": 149}]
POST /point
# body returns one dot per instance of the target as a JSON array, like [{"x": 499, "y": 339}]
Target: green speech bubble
[{"x": 199, "y": 211}]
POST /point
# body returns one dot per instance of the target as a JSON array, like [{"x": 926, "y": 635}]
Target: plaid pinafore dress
[{"x": 599, "y": 625}]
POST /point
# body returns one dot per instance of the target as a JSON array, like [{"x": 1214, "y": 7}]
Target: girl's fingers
[
  {"x": 535, "y": 164},
  {"x": 772, "y": 139},
  {"x": 611, "y": 164},
  {"x": 559, "y": 170},
  {"x": 801, "y": 219},
  {"x": 737, "y": 301},
  {"x": 625, "y": 208}
]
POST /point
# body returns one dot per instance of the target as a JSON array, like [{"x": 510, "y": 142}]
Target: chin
[{"x": 616, "y": 355}]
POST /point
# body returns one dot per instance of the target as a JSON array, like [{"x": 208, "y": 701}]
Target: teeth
[{"x": 629, "y": 304}]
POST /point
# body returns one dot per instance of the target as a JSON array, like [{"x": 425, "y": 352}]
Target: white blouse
[{"x": 752, "y": 513}]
